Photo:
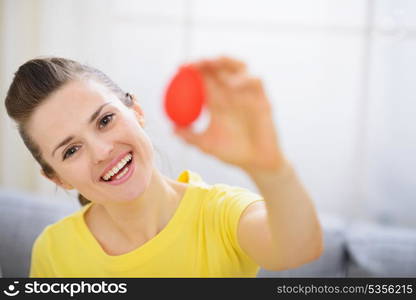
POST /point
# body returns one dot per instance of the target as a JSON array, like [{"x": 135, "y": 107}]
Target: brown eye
[
  {"x": 105, "y": 120},
  {"x": 70, "y": 152}
]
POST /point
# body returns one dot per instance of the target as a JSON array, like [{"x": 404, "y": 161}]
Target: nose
[{"x": 101, "y": 150}]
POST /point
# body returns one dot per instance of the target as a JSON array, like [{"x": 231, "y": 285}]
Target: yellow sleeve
[
  {"x": 232, "y": 207},
  {"x": 40, "y": 265}
]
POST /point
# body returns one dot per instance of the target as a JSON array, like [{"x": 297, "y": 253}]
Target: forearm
[{"x": 291, "y": 214}]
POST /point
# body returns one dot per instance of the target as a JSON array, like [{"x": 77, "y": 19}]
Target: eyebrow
[{"x": 70, "y": 138}]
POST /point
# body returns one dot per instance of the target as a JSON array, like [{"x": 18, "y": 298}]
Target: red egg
[{"x": 185, "y": 96}]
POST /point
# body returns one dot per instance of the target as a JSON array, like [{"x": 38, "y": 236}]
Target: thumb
[{"x": 187, "y": 135}]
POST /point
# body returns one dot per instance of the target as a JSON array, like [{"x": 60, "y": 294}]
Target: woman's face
[{"x": 86, "y": 133}]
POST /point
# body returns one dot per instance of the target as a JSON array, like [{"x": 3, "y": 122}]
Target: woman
[{"x": 87, "y": 134}]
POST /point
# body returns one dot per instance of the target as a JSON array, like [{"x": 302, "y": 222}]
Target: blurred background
[{"x": 339, "y": 74}]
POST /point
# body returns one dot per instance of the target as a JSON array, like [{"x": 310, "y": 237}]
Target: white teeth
[
  {"x": 122, "y": 173},
  {"x": 118, "y": 167}
]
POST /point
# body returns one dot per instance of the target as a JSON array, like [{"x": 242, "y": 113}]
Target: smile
[{"x": 119, "y": 170}]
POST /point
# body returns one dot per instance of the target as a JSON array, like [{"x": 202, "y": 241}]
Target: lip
[
  {"x": 114, "y": 163},
  {"x": 126, "y": 176}
]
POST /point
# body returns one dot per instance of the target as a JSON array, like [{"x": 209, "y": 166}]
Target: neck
[{"x": 147, "y": 215}]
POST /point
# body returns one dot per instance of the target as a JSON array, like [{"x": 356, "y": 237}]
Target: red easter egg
[{"x": 185, "y": 96}]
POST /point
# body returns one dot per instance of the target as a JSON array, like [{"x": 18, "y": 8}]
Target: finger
[
  {"x": 213, "y": 84},
  {"x": 201, "y": 64},
  {"x": 254, "y": 83},
  {"x": 228, "y": 71},
  {"x": 204, "y": 65},
  {"x": 221, "y": 63},
  {"x": 187, "y": 135},
  {"x": 231, "y": 65},
  {"x": 217, "y": 72}
]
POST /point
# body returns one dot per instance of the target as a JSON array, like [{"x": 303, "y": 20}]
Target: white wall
[
  {"x": 19, "y": 41},
  {"x": 391, "y": 160},
  {"x": 310, "y": 57},
  {"x": 338, "y": 74}
]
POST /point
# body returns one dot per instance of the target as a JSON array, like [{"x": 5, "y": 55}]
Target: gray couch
[{"x": 351, "y": 250}]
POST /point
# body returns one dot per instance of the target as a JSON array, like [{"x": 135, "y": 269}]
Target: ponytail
[{"x": 82, "y": 200}]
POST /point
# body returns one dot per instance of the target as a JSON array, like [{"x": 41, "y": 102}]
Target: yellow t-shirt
[{"x": 200, "y": 240}]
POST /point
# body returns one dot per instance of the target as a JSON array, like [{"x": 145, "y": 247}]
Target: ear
[
  {"x": 138, "y": 111},
  {"x": 57, "y": 181}
]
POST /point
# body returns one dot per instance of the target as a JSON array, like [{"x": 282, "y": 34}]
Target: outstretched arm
[{"x": 283, "y": 231}]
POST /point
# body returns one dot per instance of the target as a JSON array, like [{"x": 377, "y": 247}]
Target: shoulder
[
  {"x": 225, "y": 203},
  {"x": 220, "y": 193},
  {"x": 233, "y": 195},
  {"x": 59, "y": 230}
]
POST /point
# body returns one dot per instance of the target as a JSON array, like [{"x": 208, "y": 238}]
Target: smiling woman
[
  {"x": 37, "y": 80},
  {"x": 87, "y": 134},
  {"x": 83, "y": 145}
]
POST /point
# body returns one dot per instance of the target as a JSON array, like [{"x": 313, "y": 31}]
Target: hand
[{"x": 241, "y": 131}]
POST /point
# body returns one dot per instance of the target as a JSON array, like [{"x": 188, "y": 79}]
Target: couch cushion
[
  {"x": 381, "y": 251},
  {"x": 332, "y": 263},
  {"x": 22, "y": 218}
]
